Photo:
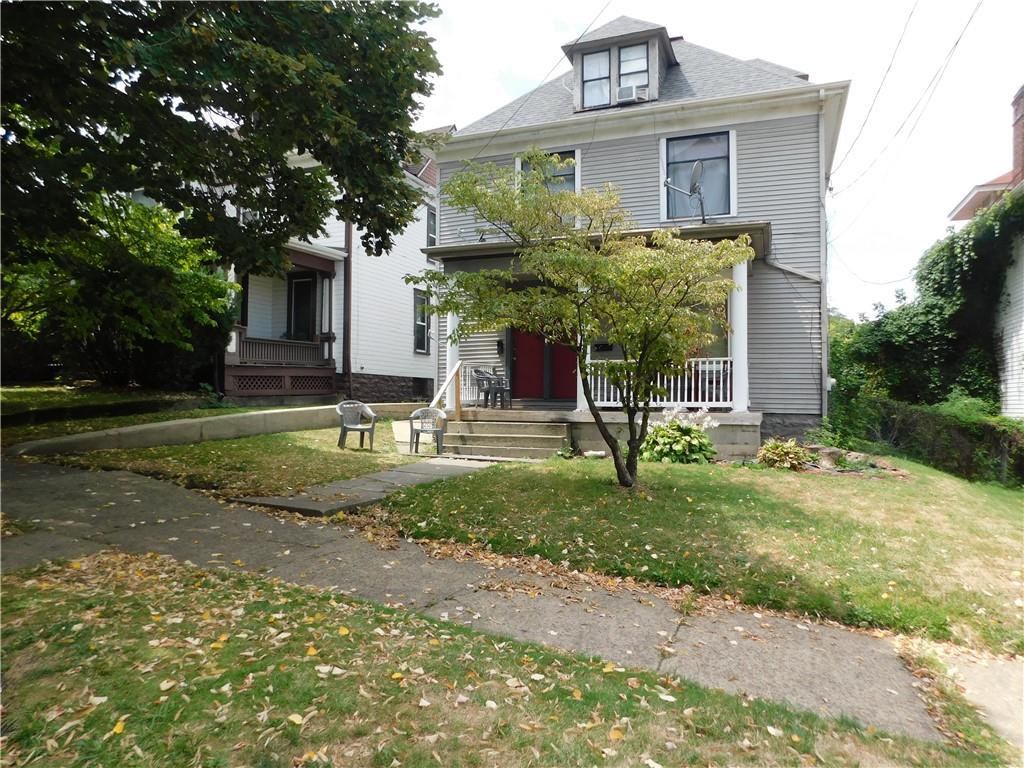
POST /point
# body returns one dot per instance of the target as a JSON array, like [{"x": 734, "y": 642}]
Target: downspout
[
  {"x": 346, "y": 329},
  {"x": 823, "y": 269}
]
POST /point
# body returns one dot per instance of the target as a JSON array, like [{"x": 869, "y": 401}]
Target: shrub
[
  {"x": 823, "y": 435},
  {"x": 783, "y": 454},
  {"x": 953, "y": 436},
  {"x": 677, "y": 443}
]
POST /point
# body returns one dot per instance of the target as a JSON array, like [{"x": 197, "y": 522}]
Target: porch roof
[{"x": 760, "y": 239}]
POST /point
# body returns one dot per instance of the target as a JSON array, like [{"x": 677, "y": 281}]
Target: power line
[
  {"x": 879, "y": 89},
  {"x": 864, "y": 280},
  {"x": 930, "y": 88},
  {"x": 526, "y": 98}
]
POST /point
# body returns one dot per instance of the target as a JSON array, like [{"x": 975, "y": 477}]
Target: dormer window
[
  {"x": 597, "y": 80},
  {"x": 633, "y": 67}
]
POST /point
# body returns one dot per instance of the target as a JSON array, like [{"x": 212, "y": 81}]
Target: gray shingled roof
[
  {"x": 702, "y": 74},
  {"x": 624, "y": 25}
]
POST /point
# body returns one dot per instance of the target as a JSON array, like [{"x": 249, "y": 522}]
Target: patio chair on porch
[
  {"x": 352, "y": 413},
  {"x": 426, "y": 421},
  {"x": 493, "y": 387}
]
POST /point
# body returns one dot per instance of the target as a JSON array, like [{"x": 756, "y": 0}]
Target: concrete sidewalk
[
  {"x": 827, "y": 670},
  {"x": 322, "y": 500}
]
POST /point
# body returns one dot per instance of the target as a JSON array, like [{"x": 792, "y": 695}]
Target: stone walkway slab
[
  {"x": 826, "y": 670},
  {"x": 342, "y": 495}
]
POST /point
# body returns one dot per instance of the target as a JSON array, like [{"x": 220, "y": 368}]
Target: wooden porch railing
[
  {"x": 256, "y": 351},
  {"x": 704, "y": 382}
]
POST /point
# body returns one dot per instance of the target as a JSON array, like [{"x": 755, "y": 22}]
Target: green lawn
[
  {"x": 121, "y": 660},
  {"x": 930, "y": 554},
  {"x": 281, "y": 463},
  {"x": 18, "y": 398}
]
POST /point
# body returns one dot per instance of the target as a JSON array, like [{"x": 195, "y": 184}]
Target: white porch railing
[{"x": 704, "y": 382}]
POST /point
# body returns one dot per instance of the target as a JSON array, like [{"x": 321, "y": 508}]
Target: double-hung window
[
  {"x": 633, "y": 65},
  {"x": 562, "y": 179},
  {"x": 431, "y": 226},
  {"x": 421, "y": 322},
  {"x": 712, "y": 149},
  {"x": 597, "y": 79}
]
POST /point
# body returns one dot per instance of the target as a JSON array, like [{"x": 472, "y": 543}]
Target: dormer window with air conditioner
[{"x": 597, "y": 79}]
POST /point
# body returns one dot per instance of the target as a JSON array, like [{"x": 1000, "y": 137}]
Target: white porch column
[
  {"x": 451, "y": 352},
  {"x": 738, "y": 339},
  {"x": 581, "y": 399}
]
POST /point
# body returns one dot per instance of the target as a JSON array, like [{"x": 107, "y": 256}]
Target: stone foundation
[
  {"x": 737, "y": 436},
  {"x": 370, "y": 387},
  {"x": 788, "y": 425}
]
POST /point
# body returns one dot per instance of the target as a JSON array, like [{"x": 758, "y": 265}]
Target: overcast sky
[{"x": 880, "y": 226}]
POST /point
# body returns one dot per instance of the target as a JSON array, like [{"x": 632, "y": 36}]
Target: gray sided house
[{"x": 638, "y": 109}]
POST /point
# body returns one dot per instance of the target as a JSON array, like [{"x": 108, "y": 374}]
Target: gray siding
[
  {"x": 777, "y": 178},
  {"x": 456, "y": 226}
]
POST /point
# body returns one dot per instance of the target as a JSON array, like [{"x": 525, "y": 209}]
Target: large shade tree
[
  {"x": 579, "y": 275},
  {"x": 197, "y": 104}
]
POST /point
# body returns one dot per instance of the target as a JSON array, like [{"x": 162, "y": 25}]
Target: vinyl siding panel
[
  {"x": 382, "y": 307},
  {"x": 457, "y": 226},
  {"x": 267, "y": 307},
  {"x": 1010, "y": 333}
]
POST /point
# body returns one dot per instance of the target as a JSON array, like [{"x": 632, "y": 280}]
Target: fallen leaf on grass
[
  {"x": 615, "y": 734},
  {"x": 296, "y": 718}
]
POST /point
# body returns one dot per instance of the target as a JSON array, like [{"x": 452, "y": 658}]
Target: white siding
[
  {"x": 382, "y": 307},
  {"x": 1010, "y": 334},
  {"x": 261, "y": 314}
]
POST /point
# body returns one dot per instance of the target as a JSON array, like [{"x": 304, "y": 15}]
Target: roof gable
[
  {"x": 624, "y": 25},
  {"x": 700, "y": 74}
]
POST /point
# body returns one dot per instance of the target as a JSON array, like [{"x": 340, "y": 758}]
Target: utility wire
[
  {"x": 527, "y": 96},
  {"x": 878, "y": 90},
  {"x": 930, "y": 88}
]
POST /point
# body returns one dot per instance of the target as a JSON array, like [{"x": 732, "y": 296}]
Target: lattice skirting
[{"x": 241, "y": 381}]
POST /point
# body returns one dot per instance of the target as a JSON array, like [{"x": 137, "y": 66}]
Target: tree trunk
[{"x": 626, "y": 478}]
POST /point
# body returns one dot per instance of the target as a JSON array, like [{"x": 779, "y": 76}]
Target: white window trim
[
  {"x": 733, "y": 178},
  {"x": 426, "y": 322},
  {"x": 437, "y": 221}
]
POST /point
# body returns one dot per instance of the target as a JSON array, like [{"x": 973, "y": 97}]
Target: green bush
[
  {"x": 952, "y": 436},
  {"x": 783, "y": 454},
  {"x": 677, "y": 443}
]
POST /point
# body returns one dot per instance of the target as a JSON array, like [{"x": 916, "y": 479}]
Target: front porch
[
  {"x": 283, "y": 343},
  {"x": 542, "y": 376}
]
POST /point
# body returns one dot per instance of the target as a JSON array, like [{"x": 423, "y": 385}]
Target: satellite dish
[{"x": 695, "y": 173}]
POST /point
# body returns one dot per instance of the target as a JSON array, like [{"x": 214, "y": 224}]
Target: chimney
[{"x": 1018, "y": 137}]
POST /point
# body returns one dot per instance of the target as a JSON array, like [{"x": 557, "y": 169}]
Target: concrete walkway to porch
[
  {"x": 825, "y": 669},
  {"x": 324, "y": 500}
]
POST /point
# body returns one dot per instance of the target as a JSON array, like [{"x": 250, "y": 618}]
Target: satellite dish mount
[{"x": 695, "y": 189}]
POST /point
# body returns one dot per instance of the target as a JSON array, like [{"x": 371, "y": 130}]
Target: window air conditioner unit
[{"x": 627, "y": 94}]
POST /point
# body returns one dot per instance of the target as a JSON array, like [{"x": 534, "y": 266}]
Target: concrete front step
[
  {"x": 507, "y": 428},
  {"x": 498, "y": 451},
  {"x": 551, "y": 442}
]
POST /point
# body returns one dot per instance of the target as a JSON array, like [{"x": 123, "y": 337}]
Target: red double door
[{"x": 534, "y": 362}]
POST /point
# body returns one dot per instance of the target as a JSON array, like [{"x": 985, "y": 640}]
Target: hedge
[{"x": 973, "y": 447}]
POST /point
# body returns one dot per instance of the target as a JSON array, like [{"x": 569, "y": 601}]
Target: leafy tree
[
  {"x": 118, "y": 298},
  {"x": 199, "y": 104},
  {"x": 945, "y": 340},
  {"x": 658, "y": 298}
]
